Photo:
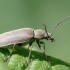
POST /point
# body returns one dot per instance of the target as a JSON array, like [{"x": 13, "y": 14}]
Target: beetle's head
[{"x": 48, "y": 36}]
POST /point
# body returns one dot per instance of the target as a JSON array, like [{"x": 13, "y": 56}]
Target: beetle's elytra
[{"x": 16, "y": 36}]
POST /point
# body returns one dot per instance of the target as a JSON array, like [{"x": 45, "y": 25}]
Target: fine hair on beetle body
[{"x": 28, "y": 36}]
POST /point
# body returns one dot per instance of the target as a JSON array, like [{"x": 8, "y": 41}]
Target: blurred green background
[{"x": 15, "y": 14}]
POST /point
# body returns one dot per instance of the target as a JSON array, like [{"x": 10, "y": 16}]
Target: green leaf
[
  {"x": 17, "y": 62},
  {"x": 60, "y": 67},
  {"x": 38, "y": 65},
  {"x": 2, "y": 56},
  {"x": 4, "y": 66}
]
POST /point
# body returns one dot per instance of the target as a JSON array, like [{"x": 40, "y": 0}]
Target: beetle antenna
[
  {"x": 45, "y": 28},
  {"x": 60, "y": 23}
]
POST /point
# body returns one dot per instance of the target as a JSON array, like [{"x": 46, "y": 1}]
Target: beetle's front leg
[
  {"x": 40, "y": 42},
  {"x": 42, "y": 48}
]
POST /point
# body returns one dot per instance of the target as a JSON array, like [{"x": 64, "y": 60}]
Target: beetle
[{"x": 27, "y": 36}]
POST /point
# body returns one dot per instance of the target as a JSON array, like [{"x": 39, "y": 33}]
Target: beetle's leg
[
  {"x": 12, "y": 50},
  {"x": 40, "y": 42},
  {"x": 43, "y": 49},
  {"x": 28, "y": 59},
  {"x": 6, "y": 58}
]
